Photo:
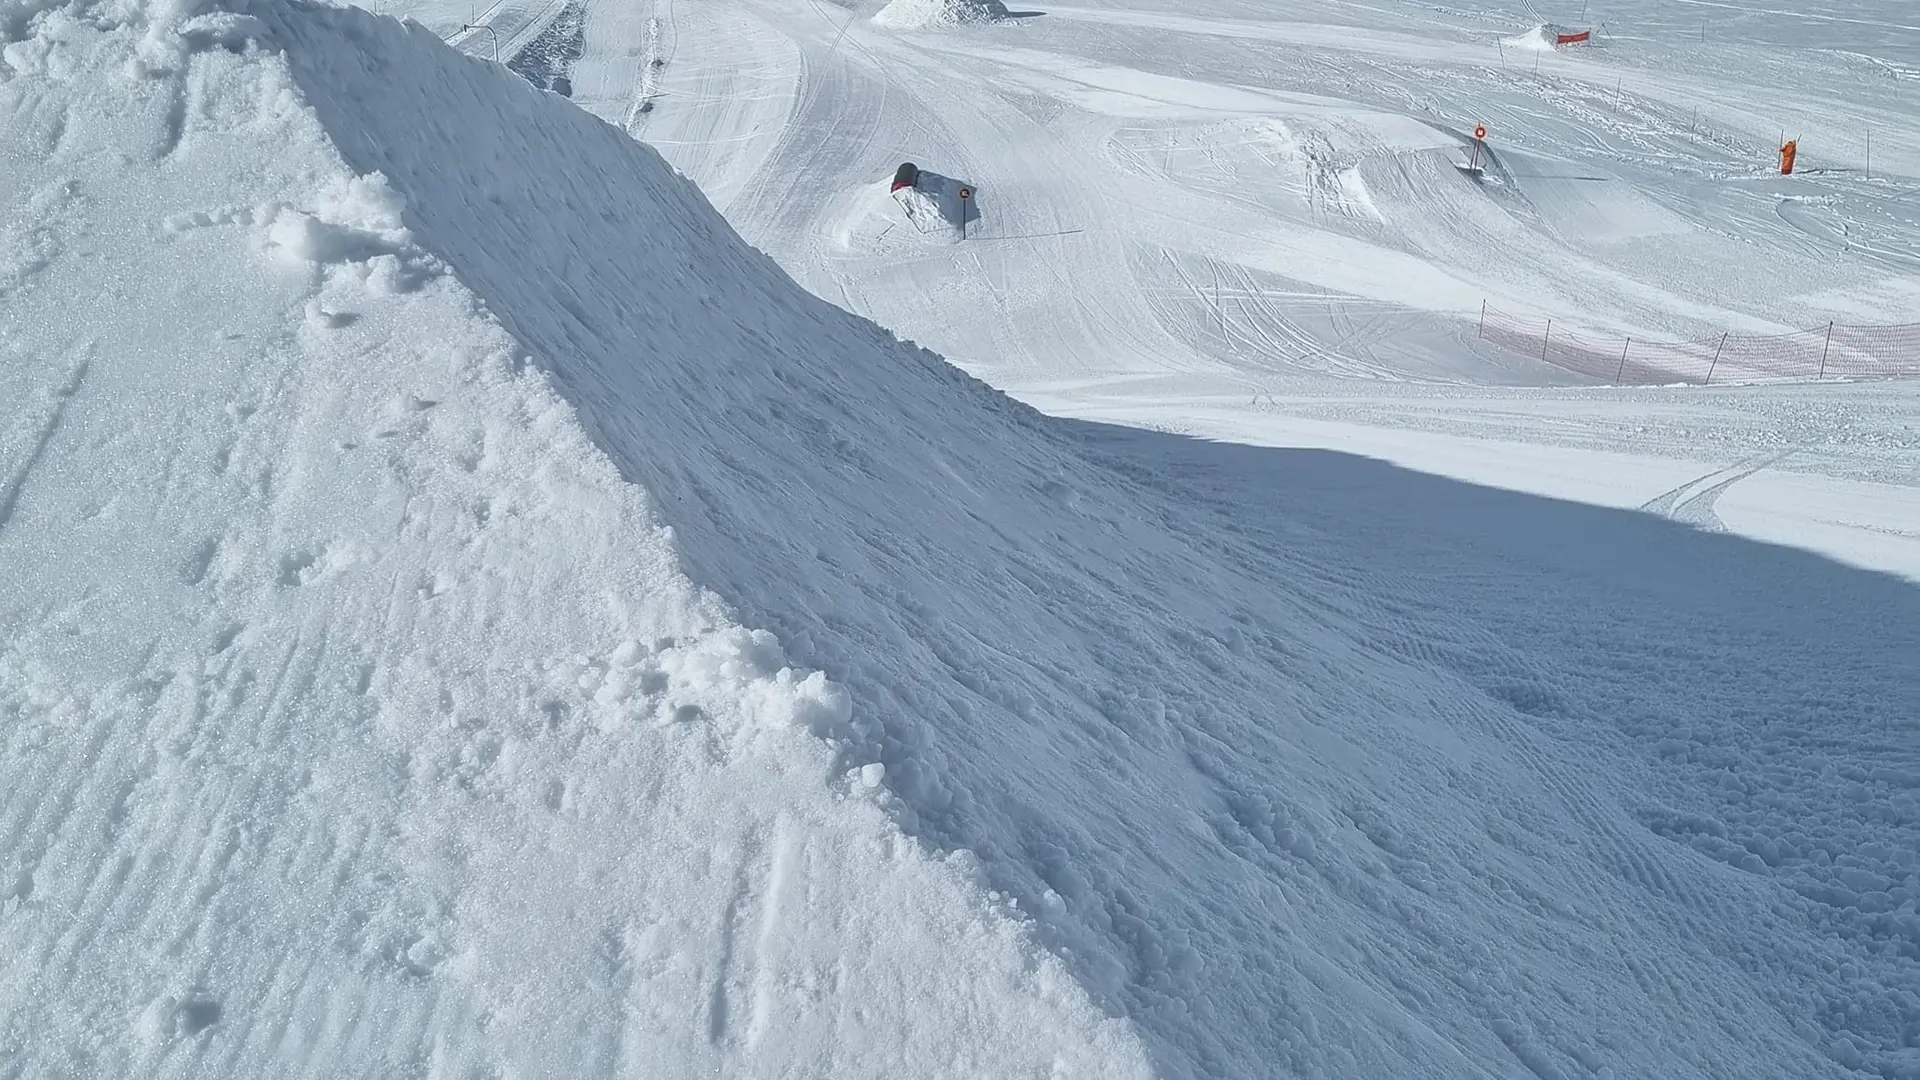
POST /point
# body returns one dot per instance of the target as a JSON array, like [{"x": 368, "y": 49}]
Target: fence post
[
  {"x": 1823, "y": 350},
  {"x": 1716, "y": 357},
  {"x": 1483, "y": 320},
  {"x": 1623, "y": 361},
  {"x": 1543, "y": 342}
]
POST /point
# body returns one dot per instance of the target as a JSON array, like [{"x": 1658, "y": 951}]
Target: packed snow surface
[{"x": 465, "y": 612}]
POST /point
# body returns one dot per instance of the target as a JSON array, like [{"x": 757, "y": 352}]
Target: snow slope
[
  {"x": 356, "y": 719},
  {"x": 1243, "y": 219},
  {"x": 1299, "y": 763}
]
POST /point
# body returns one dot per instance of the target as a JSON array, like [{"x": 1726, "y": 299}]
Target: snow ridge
[
  {"x": 356, "y": 717},
  {"x": 1243, "y": 797}
]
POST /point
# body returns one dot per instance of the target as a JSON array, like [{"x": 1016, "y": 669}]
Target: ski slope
[
  {"x": 466, "y": 612},
  {"x": 1217, "y": 218}
]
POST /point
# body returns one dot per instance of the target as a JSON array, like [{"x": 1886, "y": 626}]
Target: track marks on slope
[
  {"x": 55, "y": 401},
  {"x": 1693, "y": 502}
]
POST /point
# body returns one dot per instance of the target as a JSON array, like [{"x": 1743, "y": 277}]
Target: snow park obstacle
[
  {"x": 1547, "y": 37},
  {"x": 936, "y": 205}
]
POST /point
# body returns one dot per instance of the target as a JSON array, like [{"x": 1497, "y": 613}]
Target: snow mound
[
  {"x": 1284, "y": 807},
  {"x": 357, "y": 718},
  {"x": 938, "y": 14},
  {"x": 1542, "y": 38},
  {"x": 372, "y": 429}
]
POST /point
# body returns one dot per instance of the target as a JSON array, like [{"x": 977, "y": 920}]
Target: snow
[
  {"x": 937, "y": 14},
  {"x": 466, "y": 611},
  {"x": 356, "y": 718},
  {"x": 1544, "y": 37}
]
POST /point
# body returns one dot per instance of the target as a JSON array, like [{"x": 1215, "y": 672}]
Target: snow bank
[
  {"x": 938, "y": 14},
  {"x": 356, "y": 716},
  {"x": 1542, "y": 38}
]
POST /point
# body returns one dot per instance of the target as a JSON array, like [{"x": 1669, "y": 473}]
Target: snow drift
[
  {"x": 356, "y": 718},
  {"x": 938, "y": 14}
]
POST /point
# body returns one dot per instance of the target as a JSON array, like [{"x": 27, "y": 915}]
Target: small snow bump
[
  {"x": 321, "y": 318},
  {"x": 294, "y": 568}
]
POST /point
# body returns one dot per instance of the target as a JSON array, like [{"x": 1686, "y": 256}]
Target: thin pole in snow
[
  {"x": 1544, "y": 339},
  {"x": 1616, "y": 93},
  {"x": 1217, "y": 309},
  {"x": 1623, "y": 362},
  {"x": 1483, "y": 320},
  {"x": 494, "y": 35},
  {"x": 1823, "y": 351},
  {"x": 1716, "y": 357},
  {"x": 1869, "y": 153}
]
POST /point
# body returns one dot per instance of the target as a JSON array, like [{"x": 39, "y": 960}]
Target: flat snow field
[{"x": 485, "y": 591}]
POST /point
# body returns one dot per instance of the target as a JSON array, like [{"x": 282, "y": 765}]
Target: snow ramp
[
  {"x": 356, "y": 718},
  {"x": 365, "y": 713},
  {"x": 1287, "y": 808}
]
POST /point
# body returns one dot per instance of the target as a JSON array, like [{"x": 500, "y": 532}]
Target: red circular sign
[
  {"x": 966, "y": 193},
  {"x": 1480, "y": 132}
]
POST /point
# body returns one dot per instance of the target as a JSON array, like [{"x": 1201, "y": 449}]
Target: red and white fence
[{"x": 1830, "y": 351}]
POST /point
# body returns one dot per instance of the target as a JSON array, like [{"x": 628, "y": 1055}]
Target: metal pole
[
  {"x": 1869, "y": 153},
  {"x": 494, "y": 36},
  {"x": 1483, "y": 320},
  {"x": 1716, "y": 357},
  {"x": 1623, "y": 362},
  {"x": 1544, "y": 339},
  {"x": 1823, "y": 351},
  {"x": 1616, "y": 93}
]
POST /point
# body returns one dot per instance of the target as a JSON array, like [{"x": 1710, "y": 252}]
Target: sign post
[
  {"x": 966, "y": 197},
  {"x": 1479, "y": 137}
]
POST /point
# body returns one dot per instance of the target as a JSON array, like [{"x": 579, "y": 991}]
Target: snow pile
[
  {"x": 356, "y": 717},
  {"x": 1542, "y": 38},
  {"x": 938, "y": 14}
]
